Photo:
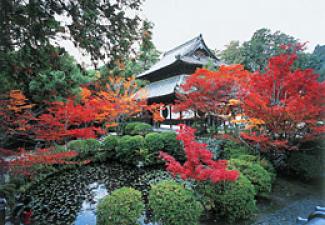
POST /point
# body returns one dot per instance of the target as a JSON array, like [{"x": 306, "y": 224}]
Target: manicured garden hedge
[
  {"x": 123, "y": 206},
  {"x": 173, "y": 204}
]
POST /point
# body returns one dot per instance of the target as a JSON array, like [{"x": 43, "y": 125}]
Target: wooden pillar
[{"x": 170, "y": 117}]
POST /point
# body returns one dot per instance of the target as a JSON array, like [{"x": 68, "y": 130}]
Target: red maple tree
[
  {"x": 199, "y": 164},
  {"x": 289, "y": 104},
  {"x": 210, "y": 91}
]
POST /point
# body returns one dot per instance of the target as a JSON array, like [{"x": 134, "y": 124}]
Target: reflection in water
[{"x": 87, "y": 214}]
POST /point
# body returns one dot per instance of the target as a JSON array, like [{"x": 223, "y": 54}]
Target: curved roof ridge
[{"x": 182, "y": 45}]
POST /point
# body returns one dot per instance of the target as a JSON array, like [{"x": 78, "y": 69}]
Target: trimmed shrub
[
  {"x": 129, "y": 149},
  {"x": 142, "y": 129},
  {"x": 171, "y": 145},
  {"x": 257, "y": 175},
  {"x": 85, "y": 148},
  {"x": 137, "y": 128},
  {"x": 173, "y": 204},
  {"x": 130, "y": 127},
  {"x": 234, "y": 200},
  {"x": 123, "y": 206},
  {"x": 107, "y": 150},
  {"x": 233, "y": 150},
  {"x": 154, "y": 143},
  {"x": 266, "y": 164},
  {"x": 230, "y": 200}
]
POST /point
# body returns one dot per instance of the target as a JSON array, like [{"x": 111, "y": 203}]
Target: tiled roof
[
  {"x": 183, "y": 53},
  {"x": 164, "y": 87}
]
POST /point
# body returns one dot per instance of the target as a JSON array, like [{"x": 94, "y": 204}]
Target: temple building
[{"x": 170, "y": 72}]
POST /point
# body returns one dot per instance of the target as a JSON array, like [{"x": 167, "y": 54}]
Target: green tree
[
  {"x": 142, "y": 60},
  {"x": 319, "y": 54},
  {"x": 46, "y": 73},
  {"x": 103, "y": 28},
  {"x": 255, "y": 53},
  {"x": 27, "y": 28}
]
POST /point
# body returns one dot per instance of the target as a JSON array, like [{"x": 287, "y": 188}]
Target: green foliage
[
  {"x": 129, "y": 149},
  {"x": 142, "y": 60},
  {"x": 108, "y": 147},
  {"x": 256, "y": 174},
  {"x": 137, "y": 128},
  {"x": 319, "y": 55},
  {"x": 268, "y": 166},
  {"x": 306, "y": 165},
  {"x": 142, "y": 129},
  {"x": 172, "y": 204},
  {"x": 123, "y": 207},
  {"x": 8, "y": 191},
  {"x": 85, "y": 148},
  {"x": 254, "y": 53},
  {"x": 37, "y": 23},
  {"x": 233, "y": 150},
  {"x": 58, "y": 82},
  {"x": 171, "y": 145},
  {"x": 232, "y": 200},
  {"x": 54, "y": 77},
  {"x": 213, "y": 145},
  {"x": 154, "y": 143},
  {"x": 235, "y": 200}
]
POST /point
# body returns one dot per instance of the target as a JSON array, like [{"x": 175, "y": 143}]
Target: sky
[{"x": 221, "y": 21}]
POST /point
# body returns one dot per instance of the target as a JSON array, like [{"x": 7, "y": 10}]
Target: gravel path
[{"x": 289, "y": 214}]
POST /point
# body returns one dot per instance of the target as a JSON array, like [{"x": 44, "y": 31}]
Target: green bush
[
  {"x": 233, "y": 150},
  {"x": 142, "y": 129},
  {"x": 257, "y": 175},
  {"x": 128, "y": 129},
  {"x": 234, "y": 200},
  {"x": 154, "y": 143},
  {"x": 137, "y": 128},
  {"x": 172, "y": 145},
  {"x": 268, "y": 166},
  {"x": 172, "y": 204},
  {"x": 109, "y": 144},
  {"x": 129, "y": 149},
  {"x": 85, "y": 148},
  {"x": 123, "y": 207},
  {"x": 307, "y": 166}
]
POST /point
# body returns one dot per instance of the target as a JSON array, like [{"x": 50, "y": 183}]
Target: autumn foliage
[
  {"x": 15, "y": 114},
  {"x": 210, "y": 91},
  {"x": 284, "y": 105},
  {"x": 199, "y": 164},
  {"x": 23, "y": 161}
]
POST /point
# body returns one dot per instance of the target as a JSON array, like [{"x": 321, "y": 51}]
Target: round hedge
[
  {"x": 235, "y": 200},
  {"x": 172, "y": 145},
  {"x": 128, "y": 148},
  {"x": 154, "y": 142},
  {"x": 123, "y": 207},
  {"x": 137, "y": 128},
  {"x": 173, "y": 204},
  {"x": 107, "y": 150},
  {"x": 257, "y": 175},
  {"x": 85, "y": 148}
]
